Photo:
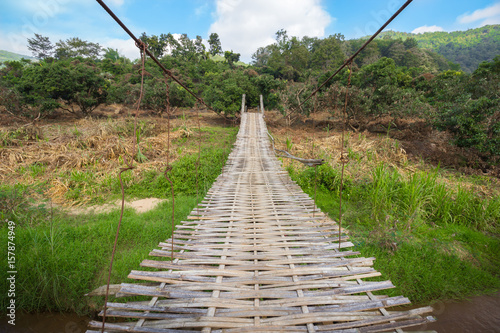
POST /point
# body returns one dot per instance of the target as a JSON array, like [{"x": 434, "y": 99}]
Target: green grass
[
  {"x": 64, "y": 257},
  {"x": 432, "y": 241},
  {"x": 90, "y": 185},
  {"x": 61, "y": 257}
]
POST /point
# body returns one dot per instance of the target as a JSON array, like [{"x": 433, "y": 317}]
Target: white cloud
[
  {"x": 425, "y": 28},
  {"x": 13, "y": 42},
  {"x": 244, "y": 26},
  {"x": 201, "y": 10},
  {"x": 488, "y": 15},
  {"x": 125, "y": 47}
]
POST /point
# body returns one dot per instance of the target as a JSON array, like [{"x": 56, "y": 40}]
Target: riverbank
[{"x": 433, "y": 230}]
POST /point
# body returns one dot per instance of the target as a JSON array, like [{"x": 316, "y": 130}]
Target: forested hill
[
  {"x": 467, "y": 48},
  {"x": 10, "y": 56}
]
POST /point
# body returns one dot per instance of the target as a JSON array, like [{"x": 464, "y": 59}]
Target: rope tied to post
[
  {"x": 311, "y": 162},
  {"x": 344, "y": 158},
  {"x": 129, "y": 165}
]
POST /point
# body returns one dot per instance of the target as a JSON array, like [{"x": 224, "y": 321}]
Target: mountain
[
  {"x": 467, "y": 48},
  {"x": 10, "y": 56}
]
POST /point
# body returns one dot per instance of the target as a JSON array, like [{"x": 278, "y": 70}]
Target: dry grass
[
  {"x": 32, "y": 154},
  {"x": 365, "y": 150}
]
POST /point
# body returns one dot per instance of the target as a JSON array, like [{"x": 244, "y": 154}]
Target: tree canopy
[{"x": 391, "y": 77}]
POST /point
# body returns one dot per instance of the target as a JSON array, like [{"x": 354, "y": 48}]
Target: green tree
[
  {"x": 40, "y": 46},
  {"x": 261, "y": 56},
  {"x": 200, "y": 47},
  {"x": 114, "y": 63},
  {"x": 173, "y": 44},
  {"x": 184, "y": 48},
  {"x": 156, "y": 45},
  {"x": 231, "y": 58},
  {"x": 288, "y": 57},
  {"x": 282, "y": 39},
  {"x": 76, "y": 87},
  {"x": 223, "y": 91},
  {"x": 468, "y": 106},
  {"x": 326, "y": 54},
  {"x": 215, "y": 44},
  {"x": 410, "y": 43},
  {"x": 111, "y": 54},
  {"x": 75, "y": 47}
]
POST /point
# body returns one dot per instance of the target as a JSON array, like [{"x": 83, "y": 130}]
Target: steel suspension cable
[{"x": 165, "y": 70}]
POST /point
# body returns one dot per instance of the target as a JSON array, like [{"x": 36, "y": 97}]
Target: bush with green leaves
[
  {"x": 10, "y": 97},
  {"x": 223, "y": 91},
  {"x": 269, "y": 88},
  {"x": 77, "y": 87},
  {"x": 469, "y": 107},
  {"x": 155, "y": 95}
]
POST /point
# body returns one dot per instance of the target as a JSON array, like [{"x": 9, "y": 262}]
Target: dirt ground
[{"x": 419, "y": 140}]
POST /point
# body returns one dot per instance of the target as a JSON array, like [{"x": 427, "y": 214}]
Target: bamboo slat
[{"x": 256, "y": 256}]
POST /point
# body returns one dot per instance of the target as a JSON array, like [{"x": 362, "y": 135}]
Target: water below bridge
[{"x": 479, "y": 314}]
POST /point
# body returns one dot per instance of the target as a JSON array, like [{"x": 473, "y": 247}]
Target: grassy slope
[
  {"x": 10, "y": 56},
  {"x": 60, "y": 257},
  {"x": 467, "y": 48},
  {"x": 435, "y": 233},
  {"x": 425, "y": 258},
  {"x": 434, "y": 40}
]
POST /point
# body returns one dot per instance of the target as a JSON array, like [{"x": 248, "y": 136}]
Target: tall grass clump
[
  {"x": 65, "y": 257},
  {"x": 433, "y": 240},
  {"x": 422, "y": 198},
  {"x": 183, "y": 175}
]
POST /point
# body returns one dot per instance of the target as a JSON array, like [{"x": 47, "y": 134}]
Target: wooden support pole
[
  {"x": 243, "y": 104},
  {"x": 261, "y": 104}
]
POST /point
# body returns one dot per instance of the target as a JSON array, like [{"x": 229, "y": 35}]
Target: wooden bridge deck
[{"x": 255, "y": 257}]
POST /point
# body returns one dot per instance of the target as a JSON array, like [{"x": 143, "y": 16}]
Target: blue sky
[{"x": 243, "y": 25}]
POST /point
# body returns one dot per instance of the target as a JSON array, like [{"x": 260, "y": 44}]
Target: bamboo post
[{"x": 243, "y": 104}]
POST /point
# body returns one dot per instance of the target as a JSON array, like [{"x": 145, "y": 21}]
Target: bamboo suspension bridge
[{"x": 255, "y": 256}]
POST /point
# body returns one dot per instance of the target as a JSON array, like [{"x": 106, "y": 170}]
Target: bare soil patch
[{"x": 140, "y": 206}]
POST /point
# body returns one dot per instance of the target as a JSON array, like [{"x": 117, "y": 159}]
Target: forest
[
  {"x": 392, "y": 77},
  {"x": 466, "y": 48}
]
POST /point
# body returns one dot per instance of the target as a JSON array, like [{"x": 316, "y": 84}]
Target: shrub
[
  {"x": 65, "y": 85},
  {"x": 223, "y": 91}
]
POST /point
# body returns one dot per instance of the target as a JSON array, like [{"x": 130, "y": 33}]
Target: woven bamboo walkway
[{"x": 255, "y": 257}]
